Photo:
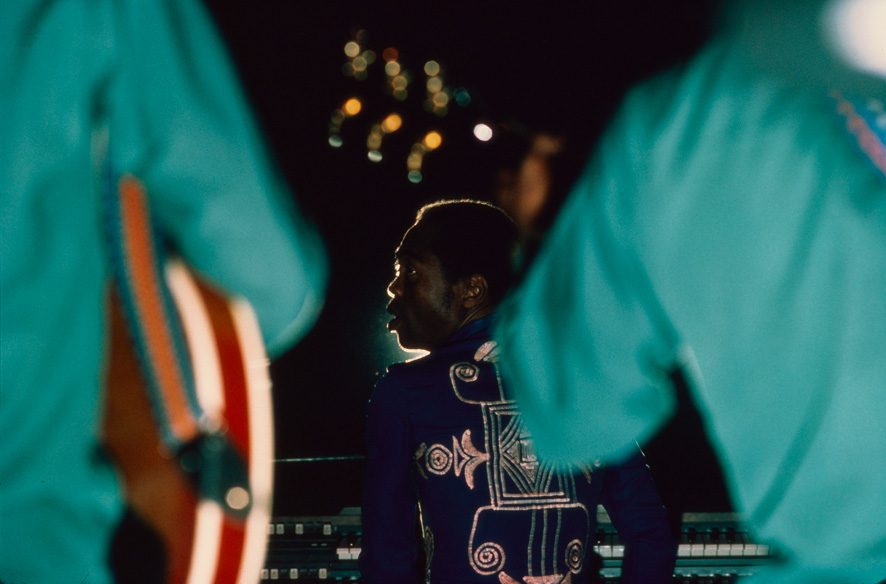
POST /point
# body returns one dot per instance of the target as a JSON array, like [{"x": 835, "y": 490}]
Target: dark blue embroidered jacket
[{"x": 442, "y": 435}]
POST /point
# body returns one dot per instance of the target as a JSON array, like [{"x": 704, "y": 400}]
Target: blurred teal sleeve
[
  {"x": 582, "y": 352},
  {"x": 729, "y": 220},
  {"x": 180, "y": 122},
  {"x": 155, "y": 76}
]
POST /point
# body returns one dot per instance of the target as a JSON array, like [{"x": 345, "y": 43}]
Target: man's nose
[{"x": 395, "y": 288}]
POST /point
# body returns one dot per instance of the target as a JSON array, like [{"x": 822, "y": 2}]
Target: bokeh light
[
  {"x": 483, "y": 132},
  {"x": 392, "y": 68},
  {"x": 392, "y": 123},
  {"x": 390, "y": 54},
  {"x": 400, "y": 82},
  {"x": 352, "y": 107},
  {"x": 462, "y": 97},
  {"x": 432, "y": 140},
  {"x": 352, "y": 49},
  {"x": 432, "y": 68}
]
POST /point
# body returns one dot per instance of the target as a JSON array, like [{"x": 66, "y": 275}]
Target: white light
[
  {"x": 857, "y": 29},
  {"x": 483, "y": 132}
]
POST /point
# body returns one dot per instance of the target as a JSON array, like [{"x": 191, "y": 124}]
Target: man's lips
[{"x": 395, "y": 320}]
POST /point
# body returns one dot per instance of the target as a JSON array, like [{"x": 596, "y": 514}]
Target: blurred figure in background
[
  {"x": 155, "y": 76},
  {"x": 732, "y": 222}
]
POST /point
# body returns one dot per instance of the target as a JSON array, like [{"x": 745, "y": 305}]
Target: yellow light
[
  {"x": 353, "y": 106},
  {"x": 483, "y": 132},
  {"x": 373, "y": 141},
  {"x": 432, "y": 68},
  {"x": 392, "y": 68},
  {"x": 440, "y": 99},
  {"x": 400, "y": 82},
  {"x": 352, "y": 49},
  {"x": 360, "y": 64},
  {"x": 434, "y": 84},
  {"x": 432, "y": 140},
  {"x": 391, "y": 123}
]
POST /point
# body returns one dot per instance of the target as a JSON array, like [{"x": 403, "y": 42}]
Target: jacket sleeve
[
  {"x": 390, "y": 545},
  {"x": 632, "y": 502},
  {"x": 180, "y": 122}
]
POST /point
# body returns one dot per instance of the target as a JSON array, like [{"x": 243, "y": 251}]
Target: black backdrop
[{"x": 549, "y": 64}]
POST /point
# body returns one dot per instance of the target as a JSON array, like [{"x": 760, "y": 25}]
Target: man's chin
[{"x": 408, "y": 344}]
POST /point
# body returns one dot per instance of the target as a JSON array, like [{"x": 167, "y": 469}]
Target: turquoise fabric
[
  {"x": 156, "y": 76},
  {"x": 727, "y": 222}
]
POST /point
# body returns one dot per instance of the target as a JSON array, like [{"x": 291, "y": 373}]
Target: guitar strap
[
  {"x": 137, "y": 255},
  {"x": 135, "y": 252}
]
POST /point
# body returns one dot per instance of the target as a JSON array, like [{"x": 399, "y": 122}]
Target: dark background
[{"x": 559, "y": 66}]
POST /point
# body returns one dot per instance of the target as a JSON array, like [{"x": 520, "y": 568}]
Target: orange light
[
  {"x": 353, "y": 106},
  {"x": 432, "y": 140},
  {"x": 390, "y": 54},
  {"x": 391, "y": 123}
]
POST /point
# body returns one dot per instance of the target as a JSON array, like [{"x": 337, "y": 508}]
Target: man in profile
[{"x": 443, "y": 436}]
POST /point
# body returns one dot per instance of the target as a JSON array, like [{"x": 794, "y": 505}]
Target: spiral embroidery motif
[
  {"x": 489, "y": 558},
  {"x": 575, "y": 555},
  {"x": 438, "y": 459},
  {"x": 466, "y": 372}
]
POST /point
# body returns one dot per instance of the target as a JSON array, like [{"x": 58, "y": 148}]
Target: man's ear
[{"x": 476, "y": 291}]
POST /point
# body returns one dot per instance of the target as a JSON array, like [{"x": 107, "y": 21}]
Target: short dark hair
[{"x": 470, "y": 237}]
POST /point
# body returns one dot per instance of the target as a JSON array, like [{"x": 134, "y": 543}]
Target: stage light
[
  {"x": 400, "y": 82},
  {"x": 352, "y": 49},
  {"x": 432, "y": 140},
  {"x": 392, "y": 68},
  {"x": 462, "y": 97},
  {"x": 353, "y": 106},
  {"x": 483, "y": 132},
  {"x": 392, "y": 123}
]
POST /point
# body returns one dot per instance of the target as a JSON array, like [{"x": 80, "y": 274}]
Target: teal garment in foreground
[
  {"x": 729, "y": 223},
  {"x": 155, "y": 75}
]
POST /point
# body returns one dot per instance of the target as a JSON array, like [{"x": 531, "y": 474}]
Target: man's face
[{"x": 425, "y": 306}]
